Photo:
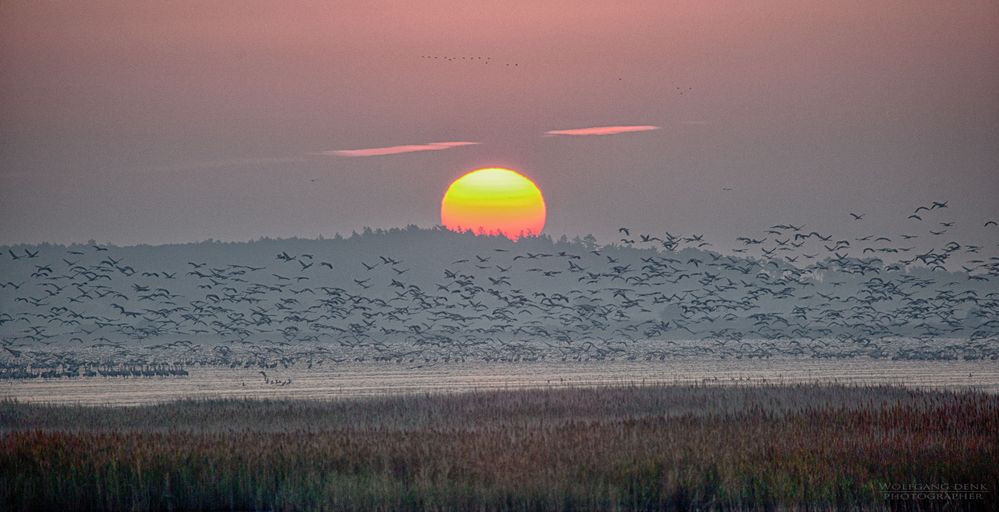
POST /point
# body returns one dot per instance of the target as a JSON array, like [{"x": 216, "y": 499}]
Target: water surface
[{"x": 373, "y": 379}]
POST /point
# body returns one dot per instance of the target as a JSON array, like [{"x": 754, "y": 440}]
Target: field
[{"x": 631, "y": 448}]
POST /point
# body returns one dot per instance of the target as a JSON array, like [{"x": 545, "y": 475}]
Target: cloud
[
  {"x": 394, "y": 150},
  {"x": 603, "y": 130}
]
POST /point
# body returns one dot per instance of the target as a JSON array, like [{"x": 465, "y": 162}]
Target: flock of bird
[
  {"x": 430, "y": 296},
  {"x": 479, "y": 59},
  {"x": 476, "y": 59}
]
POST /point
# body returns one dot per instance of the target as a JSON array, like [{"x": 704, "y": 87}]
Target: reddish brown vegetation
[{"x": 643, "y": 448}]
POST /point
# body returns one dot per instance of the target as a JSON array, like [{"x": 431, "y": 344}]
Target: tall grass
[{"x": 637, "y": 448}]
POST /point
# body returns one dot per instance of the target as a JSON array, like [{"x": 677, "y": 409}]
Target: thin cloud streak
[
  {"x": 395, "y": 150},
  {"x": 602, "y": 130}
]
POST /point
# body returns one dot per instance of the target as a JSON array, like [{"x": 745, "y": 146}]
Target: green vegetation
[{"x": 643, "y": 448}]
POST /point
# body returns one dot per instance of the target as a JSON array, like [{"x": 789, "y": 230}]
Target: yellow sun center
[{"x": 494, "y": 201}]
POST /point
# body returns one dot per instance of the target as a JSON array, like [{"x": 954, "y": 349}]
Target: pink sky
[
  {"x": 604, "y": 130},
  {"x": 118, "y": 106},
  {"x": 395, "y": 150}
]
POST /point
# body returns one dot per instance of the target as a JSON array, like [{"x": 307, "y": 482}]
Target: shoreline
[{"x": 390, "y": 379}]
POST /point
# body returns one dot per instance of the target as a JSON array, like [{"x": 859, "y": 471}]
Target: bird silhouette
[{"x": 777, "y": 292}]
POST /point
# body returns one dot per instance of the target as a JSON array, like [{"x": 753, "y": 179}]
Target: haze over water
[{"x": 373, "y": 380}]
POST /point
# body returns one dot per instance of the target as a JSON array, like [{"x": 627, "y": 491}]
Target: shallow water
[{"x": 358, "y": 380}]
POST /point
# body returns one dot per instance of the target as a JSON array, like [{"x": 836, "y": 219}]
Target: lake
[{"x": 374, "y": 379}]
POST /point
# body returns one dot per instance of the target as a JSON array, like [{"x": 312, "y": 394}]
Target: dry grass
[{"x": 644, "y": 448}]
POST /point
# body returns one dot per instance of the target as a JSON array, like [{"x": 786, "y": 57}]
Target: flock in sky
[{"x": 419, "y": 297}]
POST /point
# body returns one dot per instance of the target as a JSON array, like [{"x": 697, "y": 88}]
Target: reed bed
[{"x": 617, "y": 448}]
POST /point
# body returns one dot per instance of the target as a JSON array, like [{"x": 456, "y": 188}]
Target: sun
[{"x": 494, "y": 201}]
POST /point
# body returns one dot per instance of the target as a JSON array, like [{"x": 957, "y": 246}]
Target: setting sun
[{"x": 494, "y": 201}]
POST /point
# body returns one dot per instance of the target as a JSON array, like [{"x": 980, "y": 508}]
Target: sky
[{"x": 159, "y": 122}]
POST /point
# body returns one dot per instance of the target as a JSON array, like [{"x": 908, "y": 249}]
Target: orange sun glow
[{"x": 494, "y": 201}]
